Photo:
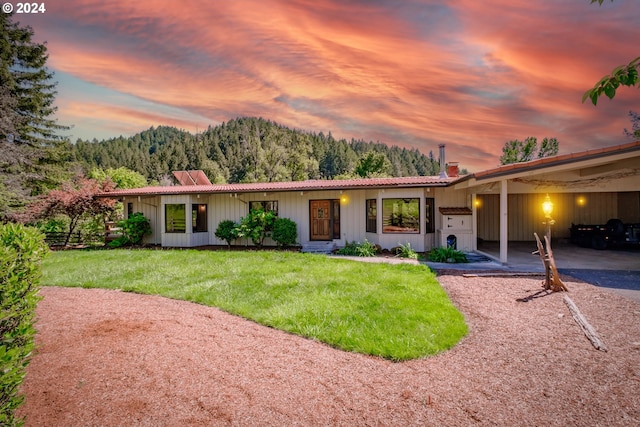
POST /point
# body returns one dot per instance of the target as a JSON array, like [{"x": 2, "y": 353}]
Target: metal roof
[
  {"x": 544, "y": 162},
  {"x": 363, "y": 183},
  {"x": 344, "y": 184}
]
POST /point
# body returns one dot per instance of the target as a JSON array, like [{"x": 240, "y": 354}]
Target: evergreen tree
[
  {"x": 246, "y": 149},
  {"x": 372, "y": 165},
  {"x": 516, "y": 151},
  {"x": 33, "y": 155}
]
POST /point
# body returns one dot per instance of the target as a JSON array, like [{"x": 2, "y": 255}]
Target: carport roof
[{"x": 554, "y": 161}]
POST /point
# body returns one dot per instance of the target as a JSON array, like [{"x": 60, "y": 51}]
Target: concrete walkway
[{"x": 616, "y": 270}]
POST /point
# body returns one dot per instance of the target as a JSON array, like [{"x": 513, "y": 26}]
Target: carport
[
  {"x": 588, "y": 187},
  {"x": 568, "y": 256},
  {"x": 616, "y": 270}
]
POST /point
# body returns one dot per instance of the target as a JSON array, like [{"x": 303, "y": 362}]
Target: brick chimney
[{"x": 453, "y": 170}]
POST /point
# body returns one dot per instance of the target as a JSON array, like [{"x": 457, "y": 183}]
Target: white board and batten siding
[
  {"x": 148, "y": 206},
  {"x": 462, "y": 227},
  {"x": 292, "y": 205},
  {"x": 175, "y": 239},
  {"x": 391, "y": 240},
  {"x": 296, "y": 206},
  {"x": 153, "y": 208}
]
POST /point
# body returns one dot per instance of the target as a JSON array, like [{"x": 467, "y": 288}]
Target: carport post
[{"x": 504, "y": 221}]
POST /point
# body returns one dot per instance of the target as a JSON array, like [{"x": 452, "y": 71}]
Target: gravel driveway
[{"x": 109, "y": 358}]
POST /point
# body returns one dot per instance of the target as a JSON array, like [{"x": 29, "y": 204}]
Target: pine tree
[
  {"x": 32, "y": 153},
  {"x": 516, "y": 151}
]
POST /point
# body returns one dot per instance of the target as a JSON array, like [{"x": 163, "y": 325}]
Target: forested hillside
[{"x": 252, "y": 150}]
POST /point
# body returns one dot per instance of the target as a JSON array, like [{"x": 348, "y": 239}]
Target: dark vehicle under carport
[{"x": 602, "y": 236}]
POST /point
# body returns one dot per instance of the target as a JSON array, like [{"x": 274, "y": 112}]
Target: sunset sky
[{"x": 471, "y": 74}]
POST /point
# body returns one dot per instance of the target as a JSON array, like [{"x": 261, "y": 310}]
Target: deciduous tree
[
  {"x": 122, "y": 177},
  {"x": 76, "y": 200},
  {"x": 623, "y": 75}
]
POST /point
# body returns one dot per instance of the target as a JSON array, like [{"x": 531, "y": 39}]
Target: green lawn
[{"x": 398, "y": 312}]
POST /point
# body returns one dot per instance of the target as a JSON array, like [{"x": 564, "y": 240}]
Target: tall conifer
[{"x": 33, "y": 154}]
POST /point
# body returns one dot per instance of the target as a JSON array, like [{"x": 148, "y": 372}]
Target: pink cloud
[
  {"x": 467, "y": 73},
  {"x": 120, "y": 120}
]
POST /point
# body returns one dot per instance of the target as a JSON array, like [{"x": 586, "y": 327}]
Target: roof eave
[{"x": 194, "y": 189}]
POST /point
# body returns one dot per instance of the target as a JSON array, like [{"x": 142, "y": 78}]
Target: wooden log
[
  {"x": 556, "y": 284},
  {"x": 545, "y": 262},
  {"x": 588, "y": 330}
]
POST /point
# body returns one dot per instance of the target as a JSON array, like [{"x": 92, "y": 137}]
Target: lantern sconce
[{"x": 547, "y": 208}]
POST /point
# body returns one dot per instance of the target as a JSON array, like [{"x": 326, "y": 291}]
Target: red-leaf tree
[{"x": 75, "y": 199}]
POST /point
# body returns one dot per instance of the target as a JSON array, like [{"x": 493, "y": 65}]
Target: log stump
[{"x": 552, "y": 279}]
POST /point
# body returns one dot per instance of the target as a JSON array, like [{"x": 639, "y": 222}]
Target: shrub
[
  {"x": 134, "y": 229},
  {"x": 227, "y": 231},
  {"x": 91, "y": 230},
  {"x": 349, "y": 249},
  {"x": 21, "y": 249},
  {"x": 354, "y": 248},
  {"x": 256, "y": 226},
  {"x": 447, "y": 254},
  {"x": 285, "y": 232},
  {"x": 54, "y": 225},
  {"x": 405, "y": 251}
]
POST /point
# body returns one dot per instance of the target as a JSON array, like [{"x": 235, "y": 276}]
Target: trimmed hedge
[
  {"x": 21, "y": 250},
  {"x": 285, "y": 232}
]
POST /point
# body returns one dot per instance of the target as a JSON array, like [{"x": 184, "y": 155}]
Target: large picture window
[
  {"x": 430, "y": 219},
  {"x": 199, "y": 218},
  {"x": 267, "y": 206},
  {"x": 401, "y": 215},
  {"x": 175, "y": 218},
  {"x": 372, "y": 215}
]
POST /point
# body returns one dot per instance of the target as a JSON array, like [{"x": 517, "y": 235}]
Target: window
[
  {"x": 335, "y": 211},
  {"x": 175, "y": 218},
  {"x": 199, "y": 218},
  {"x": 429, "y": 211},
  {"x": 401, "y": 215},
  {"x": 129, "y": 209},
  {"x": 267, "y": 206},
  {"x": 372, "y": 215}
]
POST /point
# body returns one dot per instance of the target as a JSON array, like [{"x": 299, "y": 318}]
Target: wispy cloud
[{"x": 416, "y": 73}]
